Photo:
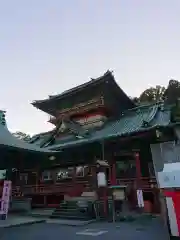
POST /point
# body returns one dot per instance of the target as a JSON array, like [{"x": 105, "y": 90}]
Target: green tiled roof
[
  {"x": 2, "y": 118},
  {"x": 7, "y": 140},
  {"x": 132, "y": 121},
  {"x": 77, "y": 88},
  {"x": 41, "y": 138}
]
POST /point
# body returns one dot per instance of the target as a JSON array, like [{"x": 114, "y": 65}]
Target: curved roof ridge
[
  {"x": 2, "y": 117},
  {"x": 76, "y": 88},
  {"x": 7, "y": 139},
  {"x": 152, "y": 113},
  {"x": 139, "y": 107}
]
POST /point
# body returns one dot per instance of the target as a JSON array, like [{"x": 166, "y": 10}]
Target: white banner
[{"x": 140, "y": 198}]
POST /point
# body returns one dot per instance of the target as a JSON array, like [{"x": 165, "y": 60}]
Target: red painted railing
[
  {"x": 78, "y": 186},
  {"x": 50, "y": 188},
  {"x": 146, "y": 182}
]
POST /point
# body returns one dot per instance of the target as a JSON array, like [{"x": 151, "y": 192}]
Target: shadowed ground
[{"x": 123, "y": 231}]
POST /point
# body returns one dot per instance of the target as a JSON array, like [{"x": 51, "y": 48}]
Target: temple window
[
  {"x": 2, "y": 174},
  {"x": 24, "y": 178},
  {"x": 64, "y": 173},
  {"x": 46, "y": 176},
  {"x": 126, "y": 168},
  {"x": 82, "y": 171}
]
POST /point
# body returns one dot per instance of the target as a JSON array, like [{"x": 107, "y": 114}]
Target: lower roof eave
[
  {"x": 106, "y": 138},
  {"x": 30, "y": 150}
]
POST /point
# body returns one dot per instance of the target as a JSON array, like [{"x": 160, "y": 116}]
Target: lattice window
[
  {"x": 82, "y": 171},
  {"x": 65, "y": 173},
  {"x": 46, "y": 176},
  {"x": 24, "y": 178}
]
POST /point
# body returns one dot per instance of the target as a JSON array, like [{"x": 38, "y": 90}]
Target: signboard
[
  {"x": 119, "y": 194},
  {"x": 140, "y": 198},
  {"x": 5, "y": 198},
  {"x": 96, "y": 120},
  {"x": 170, "y": 176}
]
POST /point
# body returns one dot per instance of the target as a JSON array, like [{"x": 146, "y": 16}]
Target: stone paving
[
  {"x": 14, "y": 221},
  {"x": 40, "y": 213},
  {"x": 102, "y": 230},
  {"x": 18, "y": 220},
  {"x": 70, "y": 222}
]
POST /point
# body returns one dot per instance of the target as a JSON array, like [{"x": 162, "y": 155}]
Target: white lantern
[
  {"x": 101, "y": 179},
  {"x": 52, "y": 158}
]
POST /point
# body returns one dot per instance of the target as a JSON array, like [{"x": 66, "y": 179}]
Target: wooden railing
[
  {"x": 68, "y": 187},
  {"x": 78, "y": 109},
  {"x": 49, "y": 188},
  {"x": 145, "y": 182}
]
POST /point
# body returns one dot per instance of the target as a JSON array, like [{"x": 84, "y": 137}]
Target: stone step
[
  {"x": 65, "y": 214},
  {"x": 73, "y": 209},
  {"x": 66, "y": 209},
  {"x": 75, "y": 217}
]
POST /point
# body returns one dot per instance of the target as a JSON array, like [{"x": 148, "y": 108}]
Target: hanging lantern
[
  {"x": 158, "y": 133},
  {"x": 52, "y": 158}
]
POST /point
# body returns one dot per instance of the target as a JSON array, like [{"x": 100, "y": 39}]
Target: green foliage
[
  {"x": 153, "y": 94},
  {"x": 172, "y": 93},
  {"x": 160, "y": 93}
]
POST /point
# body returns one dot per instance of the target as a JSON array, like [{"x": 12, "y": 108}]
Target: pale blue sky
[{"x": 47, "y": 46}]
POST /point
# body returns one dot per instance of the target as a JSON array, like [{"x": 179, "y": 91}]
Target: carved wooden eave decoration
[
  {"x": 74, "y": 128},
  {"x": 62, "y": 127},
  {"x": 102, "y": 163},
  {"x": 78, "y": 109}
]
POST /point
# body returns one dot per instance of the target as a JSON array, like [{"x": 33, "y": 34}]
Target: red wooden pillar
[
  {"x": 113, "y": 173},
  {"x": 110, "y": 175},
  {"x": 139, "y": 192},
  {"x": 105, "y": 197},
  {"x": 74, "y": 175},
  {"x": 37, "y": 179},
  {"x": 45, "y": 200},
  {"x": 138, "y": 169},
  {"x": 94, "y": 177}
]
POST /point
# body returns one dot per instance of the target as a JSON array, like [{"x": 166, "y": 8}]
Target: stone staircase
[{"x": 80, "y": 209}]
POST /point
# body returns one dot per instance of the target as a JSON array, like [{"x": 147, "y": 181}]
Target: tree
[
  {"x": 135, "y": 100},
  {"x": 172, "y": 93},
  {"x": 22, "y": 136},
  {"x": 153, "y": 94}
]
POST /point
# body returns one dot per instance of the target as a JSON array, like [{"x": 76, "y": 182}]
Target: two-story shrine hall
[{"x": 97, "y": 128}]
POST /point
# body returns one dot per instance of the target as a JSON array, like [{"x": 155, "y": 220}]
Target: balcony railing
[
  {"x": 80, "y": 108},
  {"x": 68, "y": 187},
  {"x": 145, "y": 182},
  {"x": 49, "y": 188}
]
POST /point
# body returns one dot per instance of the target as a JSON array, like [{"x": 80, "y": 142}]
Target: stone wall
[{"x": 20, "y": 205}]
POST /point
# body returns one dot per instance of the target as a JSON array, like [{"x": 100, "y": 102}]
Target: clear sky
[{"x": 48, "y": 46}]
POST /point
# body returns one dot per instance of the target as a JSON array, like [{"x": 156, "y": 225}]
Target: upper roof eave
[{"x": 75, "y": 89}]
